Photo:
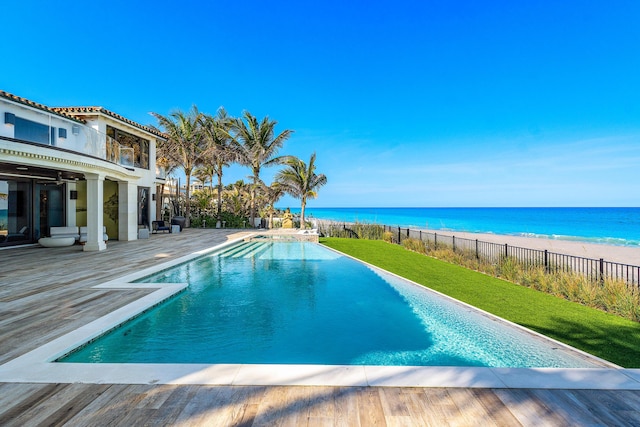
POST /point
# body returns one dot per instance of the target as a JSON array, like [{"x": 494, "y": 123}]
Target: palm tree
[
  {"x": 236, "y": 196},
  {"x": 272, "y": 194},
  {"x": 300, "y": 181},
  {"x": 168, "y": 167},
  {"x": 184, "y": 146},
  {"x": 255, "y": 145},
  {"x": 219, "y": 152},
  {"x": 203, "y": 199},
  {"x": 205, "y": 174}
]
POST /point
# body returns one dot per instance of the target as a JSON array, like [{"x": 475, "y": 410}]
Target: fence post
[
  {"x": 601, "y": 270},
  {"x": 407, "y": 231},
  {"x": 546, "y": 261},
  {"x": 435, "y": 240},
  {"x": 399, "y": 236},
  {"x": 477, "y": 253},
  {"x": 506, "y": 250},
  {"x": 420, "y": 235},
  {"x": 454, "y": 243}
]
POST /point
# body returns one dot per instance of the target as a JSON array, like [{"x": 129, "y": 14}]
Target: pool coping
[{"x": 37, "y": 366}]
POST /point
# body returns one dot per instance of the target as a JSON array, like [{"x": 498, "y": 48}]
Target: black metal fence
[
  {"x": 594, "y": 269},
  {"x": 496, "y": 253}
]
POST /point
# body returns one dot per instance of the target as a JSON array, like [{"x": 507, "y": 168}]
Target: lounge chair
[
  {"x": 60, "y": 232},
  {"x": 313, "y": 231},
  {"x": 160, "y": 226},
  {"x": 20, "y": 235},
  {"x": 83, "y": 235}
]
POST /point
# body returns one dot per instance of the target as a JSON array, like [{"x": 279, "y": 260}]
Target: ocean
[{"x": 613, "y": 226}]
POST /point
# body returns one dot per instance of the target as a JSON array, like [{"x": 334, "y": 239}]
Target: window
[
  {"x": 34, "y": 132},
  {"x": 143, "y": 206},
  {"x": 140, "y": 146}
]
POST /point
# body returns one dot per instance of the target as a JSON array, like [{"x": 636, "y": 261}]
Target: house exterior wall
[
  {"x": 75, "y": 142},
  {"x": 81, "y": 149}
]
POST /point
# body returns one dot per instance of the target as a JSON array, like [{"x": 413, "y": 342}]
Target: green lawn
[{"x": 604, "y": 335}]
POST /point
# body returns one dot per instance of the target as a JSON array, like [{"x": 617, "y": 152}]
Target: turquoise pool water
[{"x": 267, "y": 302}]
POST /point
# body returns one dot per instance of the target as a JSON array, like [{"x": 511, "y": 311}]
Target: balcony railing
[
  {"x": 161, "y": 172},
  {"x": 83, "y": 140},
  {"x": 117, "y": 153},
  {"x": 100, "y": 145}
]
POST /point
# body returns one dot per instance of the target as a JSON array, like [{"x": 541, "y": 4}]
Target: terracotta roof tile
[{"x": 42, "y": 107}]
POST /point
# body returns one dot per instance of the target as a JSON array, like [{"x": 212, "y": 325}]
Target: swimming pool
[{"x": 270, "y": 302}]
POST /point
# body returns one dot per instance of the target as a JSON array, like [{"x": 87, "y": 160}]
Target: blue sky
[{"x": 406, "y": 103}]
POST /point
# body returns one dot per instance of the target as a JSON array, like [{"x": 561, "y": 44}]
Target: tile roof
[
  {"x": 42, "y": 107},
  {"x": 80, "y": 111}
]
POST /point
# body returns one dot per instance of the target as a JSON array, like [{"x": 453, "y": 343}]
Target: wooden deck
[{"x": 45, "y": 293}]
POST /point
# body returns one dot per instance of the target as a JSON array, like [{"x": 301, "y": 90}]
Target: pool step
[
  {"x": 260, "y": 250},
  {"x": 251, "y": 250},
  {"x": 231, "y": 252},
  {"x": 247, "y": 250}
]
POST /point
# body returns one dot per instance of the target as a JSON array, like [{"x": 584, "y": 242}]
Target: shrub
[
  {"x": 234, "y": 221},
  {"x": 362, "y": 230},
  {"x": 415, "y": 245},
  {"x": 618, "y": 298}
]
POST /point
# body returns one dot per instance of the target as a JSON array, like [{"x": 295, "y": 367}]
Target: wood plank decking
[{"x": 47, "y": 292}]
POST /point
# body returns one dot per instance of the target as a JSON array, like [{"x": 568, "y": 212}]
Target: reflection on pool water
[{"x": 268, "y": 302}]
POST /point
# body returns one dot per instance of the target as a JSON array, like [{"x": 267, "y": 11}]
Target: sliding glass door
[
  {"x": 16, "y": 221},
  {"x": 50, "y": 209},
  {"x": 28, "y": 210}
]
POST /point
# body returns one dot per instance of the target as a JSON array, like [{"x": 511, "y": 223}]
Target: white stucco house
[{"x": 74, "y": 166}]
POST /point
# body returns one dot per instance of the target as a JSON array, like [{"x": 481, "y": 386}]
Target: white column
[
  {"x": 95, "y": 212},
  {"x": 127, "y": 211},
  {"x": 71, "y": 204}
]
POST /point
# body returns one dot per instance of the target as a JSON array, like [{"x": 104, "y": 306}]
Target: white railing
[
  {"x": 161, "y": 172},
  {"x": 98, "y": 144},
  {"x": 79, "y": 138}
]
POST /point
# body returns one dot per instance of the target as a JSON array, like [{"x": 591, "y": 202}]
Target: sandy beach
[{"x": 620, "y": 254}]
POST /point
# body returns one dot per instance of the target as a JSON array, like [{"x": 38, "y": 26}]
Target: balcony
[
  {"x": 161, "y": 172},
  {"x": 55, "y": 131},
  {"x": 117, "y": 153}
]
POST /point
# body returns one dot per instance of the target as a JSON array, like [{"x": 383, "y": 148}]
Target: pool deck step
[
  {"x": 251, "y": 249},
  {"x": 232, "y": 251},
  {"x": 257, "y": 253}
]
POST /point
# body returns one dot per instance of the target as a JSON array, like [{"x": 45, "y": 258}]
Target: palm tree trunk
[
  {"x": 219, "y": 223},
  {"x": 252, "y": 208},
  {"x": 187, "y": 213},
  {"x": 302, "y": 206}
]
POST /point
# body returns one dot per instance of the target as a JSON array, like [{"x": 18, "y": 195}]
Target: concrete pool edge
[{"x": 36, "y": 366}]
